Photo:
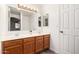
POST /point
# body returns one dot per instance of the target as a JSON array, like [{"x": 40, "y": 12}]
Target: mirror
[
  {"x": 25, "y": 23},
  {"x": 22, "y": 21},
  {"x": 45, "y": 20},
  {"x": 14, "y": 19},
  {"x": 39, "y": 21},
  {"x": 29, "y": 21}
]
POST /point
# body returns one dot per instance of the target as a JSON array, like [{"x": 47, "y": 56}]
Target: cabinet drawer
[
  {"x": 13, "y": 50},
  {"x": 27, "y": 40},
  {"x": 11, "y": 43},
  {"x": 39, "y": 38},
  {"x": 47, "y": 36}
]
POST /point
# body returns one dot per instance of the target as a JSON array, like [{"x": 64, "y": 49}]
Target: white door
[
  {"x": 71, "y": 29},
  {"x": 64, "y": 28},
  {"x": 77, "y": 29},
  {"x": 67, "y": 25},
  {"x": 61, "y": 28},
  {"x": 77, "y": 45}
]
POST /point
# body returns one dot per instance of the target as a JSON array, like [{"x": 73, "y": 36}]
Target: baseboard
[
  {"x": 60, "y": 52},
  {"x": 56, "y": 52}
]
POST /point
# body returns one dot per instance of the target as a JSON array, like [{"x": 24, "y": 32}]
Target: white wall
[
  {"x": 53, "y": 11},
  {"x": 0, "y": 29},
  {"x": 4, "y": 22}
]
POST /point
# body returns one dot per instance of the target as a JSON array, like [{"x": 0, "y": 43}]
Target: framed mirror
[
  {"x": 45, "y": 20},
  {"x": 14, "y": 19}
]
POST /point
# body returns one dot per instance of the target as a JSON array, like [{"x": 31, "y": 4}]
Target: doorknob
[{"x": 61, "y": 31}]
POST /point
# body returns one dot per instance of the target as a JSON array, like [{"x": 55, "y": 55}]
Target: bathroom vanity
[{"x": 29, "y": 45}]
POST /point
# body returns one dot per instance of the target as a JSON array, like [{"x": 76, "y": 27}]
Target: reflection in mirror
[
  {"x": 14, "y": 19},
  {"x": 39, "y": 21},
  {"x": 26, "y": 18},
  {"x": 14, "y": 24},
  {"x": 45, "y": 20}
]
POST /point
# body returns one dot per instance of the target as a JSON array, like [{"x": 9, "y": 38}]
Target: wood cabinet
[
  {"x": 13, "y": 50},
  {"x": 39, "y": 44},
  {"x": 12, "y": 47},
  {"x": 46, "y": 41},
  {"x": 28, "y": 45}
]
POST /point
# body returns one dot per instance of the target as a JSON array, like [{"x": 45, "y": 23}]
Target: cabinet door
[
  {"x": 10, "y": 43},
  {"x": 13, "y": 50},
  {"x": 29, "y": 45},
  {"x": 46, "y": 41},
  {"x": 28, "y": 48},
  {"x": 12, "y": 47},
  {"x": 39, "y": 44}
]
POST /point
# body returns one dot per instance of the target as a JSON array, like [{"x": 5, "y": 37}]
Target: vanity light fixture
[{"x": 26, "y": 8}]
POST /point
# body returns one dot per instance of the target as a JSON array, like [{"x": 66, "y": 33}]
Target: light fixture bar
[{"x": 23, "y": 7}]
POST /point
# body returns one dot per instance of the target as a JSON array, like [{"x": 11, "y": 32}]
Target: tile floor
[{"x": 48, "y": 52}]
